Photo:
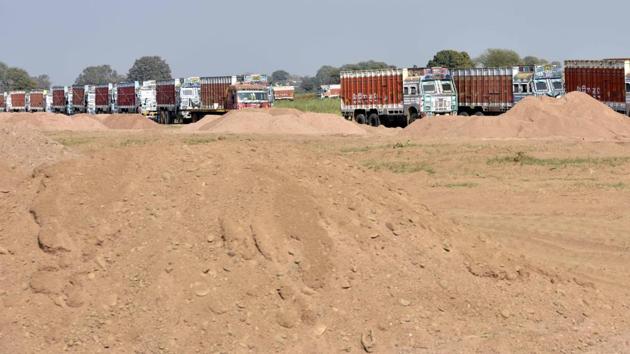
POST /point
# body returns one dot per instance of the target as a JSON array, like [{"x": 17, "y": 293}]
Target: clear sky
[{"x": 196, "y": 37}]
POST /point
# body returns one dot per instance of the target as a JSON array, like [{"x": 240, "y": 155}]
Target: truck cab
[
  {"x": 539, "y": 80},
  {"x": 189, "y": 95},
  {"x": 429, "y": 92},
  {"x": 243, "y": 96}
]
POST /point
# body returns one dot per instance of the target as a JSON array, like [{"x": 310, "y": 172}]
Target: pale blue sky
[{"x": 197, "y": 37}]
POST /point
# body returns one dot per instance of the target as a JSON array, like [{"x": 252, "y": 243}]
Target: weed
[
  {"x": 74, "y": 141},
  {"x": 524, "y": 159},
  {"x": 311, "y": 103},
  {"x": 200, "y": 140},
  {"x": 399, "y": 166}
]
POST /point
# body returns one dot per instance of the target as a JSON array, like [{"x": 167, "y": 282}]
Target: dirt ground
[{"x": 165, "y": 241}]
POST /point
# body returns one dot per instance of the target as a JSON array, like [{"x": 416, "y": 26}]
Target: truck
[
  {"x": 148, "y": 100},
  {"x": 283, "y": 93},
  {"x": 488, "y": 91},
  {"x": 36, "y": 101},
  {"x": 16, "y": 101},
  {"x": 79, "y": 99},
  {"x": 606, "y": 80},
  {"x": 396, "y": 97},
  {"x": 3, "y": 102},
  {"x": 104, "y": 98},
  {"x": 185, "y": 100},
  {"x": 60, "y": 99},
  {"x": 127, "y": 97},
  {"x": 329, "y": 91}
]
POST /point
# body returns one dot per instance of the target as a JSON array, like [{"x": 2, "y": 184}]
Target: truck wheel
[
  {"x": 374, "y": 120},
  {"x": 479, "y": 114},
  {"x": 464, "y": 114},
  {"x": 413, "y": 116},
  {"x": 360, "y": 118}
]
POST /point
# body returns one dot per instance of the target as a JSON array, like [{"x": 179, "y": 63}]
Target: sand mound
[
  {"x": 575, "y": 115},
  {"x": 79, "y": 122},
  {"x": 276, "y": 121},
  {"x": 52, "y": 121},
  {"x": 126, "y": 121},
  {"x": 25, "y": 149}
]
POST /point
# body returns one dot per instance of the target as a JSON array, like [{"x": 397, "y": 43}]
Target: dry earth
[{"x": 163, "y": 241}]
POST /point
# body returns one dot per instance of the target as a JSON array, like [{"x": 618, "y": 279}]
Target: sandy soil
[{"x": 163, "y": 241}]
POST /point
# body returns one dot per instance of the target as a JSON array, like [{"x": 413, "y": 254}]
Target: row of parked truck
[
  {"x": 397, "y": 97},
  {"x": 167, "y": 101},
  {"x": 393, "y": 97}
]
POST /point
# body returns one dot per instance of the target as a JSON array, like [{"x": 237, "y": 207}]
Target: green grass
[
  {"x": 397, "y": 145},
  {"x": 399, "y": 166},
  {"x": 74, "y": 141},
  {"x": 461, "y": 185},
  {"x": 524, "y": 159},
  {"x": 200, "y": 140},
  {"x": 311, "y": 103}
]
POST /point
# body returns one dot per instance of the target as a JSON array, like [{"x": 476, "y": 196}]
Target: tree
[
  {"x": 309, "y": 84},
  {"x": 498, "y": 58},
  {"x": 280, "y": 77},
  {"x": 3, "y": 74},
  {"x": 451, "y": 59},
  {"x": 98, "y": 75},
  {"x": 42, "y": 82},
  {"x": 532, "y": 60},
  {"x": 366, "y": 65},
  {"x": 18, "y": 79},
  {"x": 149, "y": 68},
  {"x": 328, "y": 75}
]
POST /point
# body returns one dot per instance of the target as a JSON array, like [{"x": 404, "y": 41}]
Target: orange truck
[{"x": 283, "y": 93}]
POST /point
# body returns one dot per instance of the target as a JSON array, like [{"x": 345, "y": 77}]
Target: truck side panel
[
  {"x": 372, "y": 89},
  {"x": 59, "y": 97},
  {"x": 604, "y": 80},
  {"x": 78, "y": 96},
  {"x": 214, "y": 92},
  {"x": 18, "y": 100},
  {"x": 37, "y": 101},
  {"x": 2, "y": 103},
  {"x": 126, "y": 97},
  {"x": 165, "y": 94},
  {"x": 488, "y": 89},
  {"x": 102, "y": 96}
]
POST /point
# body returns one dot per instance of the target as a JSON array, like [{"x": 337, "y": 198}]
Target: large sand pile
[
  {"x": 575, "y": 115},
  {"x": 79, "y": 122},
  {"x": 24, "y": 149},
  {"x": 276, "y": 121}
]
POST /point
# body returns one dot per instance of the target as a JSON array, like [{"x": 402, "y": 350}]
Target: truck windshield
[
  {"x": 188, "y": 92},
  {"x": 252, "y": 96},
  {"x": 557, "y": 85},
  {"x": 428, "y": 87},
  {"x": 541, "y": 86},
  {"x": 447, "y": 87}
]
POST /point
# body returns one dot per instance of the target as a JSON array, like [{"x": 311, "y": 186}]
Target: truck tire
[
  {"x": 374, "y": 120},
  {"x": 360, "y": 118},
  {"x": 479, "y": 114},
  {"x": 413, "y": 116},
  {"x": 464, "y": 114}
]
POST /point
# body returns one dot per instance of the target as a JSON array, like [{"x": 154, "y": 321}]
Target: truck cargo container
[
  {"x": 3, "y": 102},
  {"x": 79, "y": 102},
  {"x": 330, "y": 91},
  {"x": 103, "y": 98},
  {"x": 496, "y": 90},
  {"x": 127, "y": 100},
  {"x": 59, "y": 99},
  {"x": 36, "y": 101},
  {"x": 283, "y": 93},
  {"x": 16, "y": 101},
  {"x": 396, "y": 97},
  {"x": 167, "y": 100},
  {"x": 605, "y": 80},
  {"x": 148, "y": 100}
]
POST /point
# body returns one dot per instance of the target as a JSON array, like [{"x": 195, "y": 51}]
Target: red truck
[
  {"x": 16, "y": 101},
  {"x": 103, "y": 98},
  {"x": 78, "y": 99},
  {"x": 606, "y": 80},
  {"x": 167, "y": 100},
  {"x": 3, "y": 102},
  {"x": 59, "y": 99},
  {"x": 36, "y": 101},
  {"x": 127, "y": 100},
  {"x": 283, "y": 93}
]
